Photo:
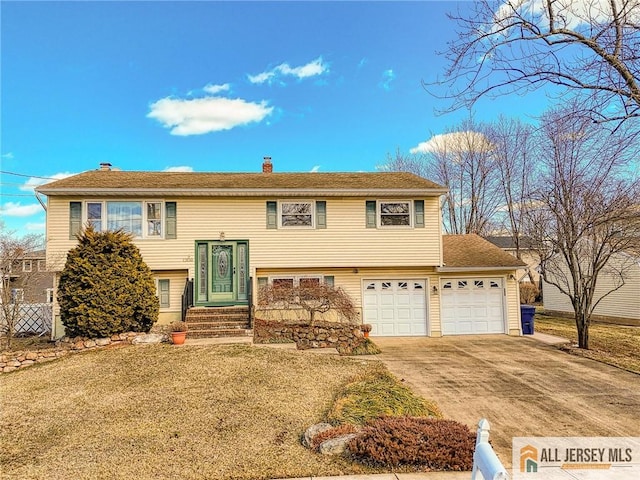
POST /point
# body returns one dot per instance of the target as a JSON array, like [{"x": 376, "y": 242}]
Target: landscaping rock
[
  {"x": 102, "y": 342},
  {"x": 148, "y": 338},
  {"x": 314, "y": 430},
  {"x": 336, "y": 446}
]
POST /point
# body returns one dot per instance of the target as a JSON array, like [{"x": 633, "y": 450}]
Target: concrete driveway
[{"x": 525, "y": 388}]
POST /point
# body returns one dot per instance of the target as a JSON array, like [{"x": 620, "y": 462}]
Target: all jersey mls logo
[{"x": 588, "y": 458}]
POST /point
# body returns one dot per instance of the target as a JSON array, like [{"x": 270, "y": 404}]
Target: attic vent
[
  {"x": 267, "y": 166},
  {"x": 105, "y": 167}
]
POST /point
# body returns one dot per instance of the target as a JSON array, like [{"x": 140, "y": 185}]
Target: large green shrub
[
  {"x": 105, "y": 287},
  {"x": 426, "y": 443}
]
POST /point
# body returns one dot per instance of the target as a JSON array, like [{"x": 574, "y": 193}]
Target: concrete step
[
  {"x": 228, "y": 325},
  {"x": 234, "y": 332}
]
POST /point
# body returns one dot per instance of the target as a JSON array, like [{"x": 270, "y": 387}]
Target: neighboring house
[
  {"x": 528, "y": 274},
  {"x": 28, "y": 278},
  {"x": 376, "y": 235},
  {"x": 621, "y": 306}
]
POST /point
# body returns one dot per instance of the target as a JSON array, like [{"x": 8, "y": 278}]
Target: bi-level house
[{"x": 212, "y": 239}]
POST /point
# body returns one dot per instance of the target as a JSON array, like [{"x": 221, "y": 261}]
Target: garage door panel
[
  {"x": 399, "y": 306},
  {"x": 472, "y": 306}
]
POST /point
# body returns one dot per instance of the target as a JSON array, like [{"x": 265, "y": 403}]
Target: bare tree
[
  {"x": 16, "y": 281},
  {"x": 583, "y": 214},
  {"x": 513, "y": 151},
  {"x": 587, "y": 46},
  {"x": 312, "y": 297},
  {"x": 461, "y": 159}
]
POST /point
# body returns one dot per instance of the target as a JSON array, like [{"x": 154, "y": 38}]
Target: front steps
[{"x": 215, "y": 322}]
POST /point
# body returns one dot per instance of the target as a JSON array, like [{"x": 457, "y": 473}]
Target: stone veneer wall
[
  {"x": 343, "y": 337},
  {"x": 10, "y": 361}
]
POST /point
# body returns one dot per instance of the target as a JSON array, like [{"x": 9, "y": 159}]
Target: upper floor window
[
  {"x": 27, "y": 265},
  {"x": 296, "y": 214},
  {"x": 42, "y": 265},
  {"x": 395, "y": 214},
  {"x": 142, "y": 219}
]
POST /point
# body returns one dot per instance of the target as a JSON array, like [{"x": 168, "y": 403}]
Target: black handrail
[
  {"x": 250, "y": 300},
  {"x": 187, "y": 298}
]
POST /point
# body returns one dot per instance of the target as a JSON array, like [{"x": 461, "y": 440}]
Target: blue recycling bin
[{"x": 527, "y": 312}]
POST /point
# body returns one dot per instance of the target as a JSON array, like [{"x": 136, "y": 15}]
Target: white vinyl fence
[{"x": 34, "y": 319}]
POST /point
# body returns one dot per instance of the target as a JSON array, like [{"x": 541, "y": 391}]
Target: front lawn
[
  {"x": 223, "y": 412},
  {"x": 613, "y": 344}
]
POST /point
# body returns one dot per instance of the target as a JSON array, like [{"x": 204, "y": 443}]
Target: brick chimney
[
  {"x": 105, "y": 167},
  {"x": 267, "y": 166}
]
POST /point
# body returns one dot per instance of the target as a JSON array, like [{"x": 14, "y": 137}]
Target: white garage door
[
  {"x": 471, "y": 306},
  {"x": 395, "y": 307}
]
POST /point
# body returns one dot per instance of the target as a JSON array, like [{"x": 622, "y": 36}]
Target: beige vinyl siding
[
  {"x": 177, "y": 280},
  {"x": 346, "y": 242},
  {"x": 623, "y": 303}
]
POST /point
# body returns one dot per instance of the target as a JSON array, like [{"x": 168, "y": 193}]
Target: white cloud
[
  {"x": 8, "y": 155},
  {"x": 178, "y": 169},
  {"x": 315, "y": 169},
  {"x": 33, "y": 182},
  {"x": 568, "y": 13},
  {"x": 388, "y": 76},
  {"x": 203, "y": 115},
  {"x": 12, "y": 209},
  {"x": 467, "y": 141},
  {"x": 311, "y": 69},
  {"x": 213, "y": 89},
  {"x": 35, "y": 227}
]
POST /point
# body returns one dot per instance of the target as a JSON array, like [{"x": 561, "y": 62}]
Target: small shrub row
[{"x": 427, "y": 443}]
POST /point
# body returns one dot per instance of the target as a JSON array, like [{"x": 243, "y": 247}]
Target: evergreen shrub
[{"x": 106, "y": 288}]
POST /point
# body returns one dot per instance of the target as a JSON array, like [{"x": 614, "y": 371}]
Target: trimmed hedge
[{"x": 427, "y": 443}]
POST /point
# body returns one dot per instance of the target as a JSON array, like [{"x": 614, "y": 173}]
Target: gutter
[{"x": 475, "y": 269}]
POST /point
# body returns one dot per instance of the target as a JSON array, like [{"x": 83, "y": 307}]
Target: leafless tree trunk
[
  {"x": 589, "y": 47},
  {"x": 513, "y": 151},
  {"x": 583, "y": 213}
]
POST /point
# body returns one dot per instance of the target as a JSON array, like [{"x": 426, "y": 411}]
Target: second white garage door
[
  {"x": 472, "y": 306},
  {"x": 395, "y": 307}
]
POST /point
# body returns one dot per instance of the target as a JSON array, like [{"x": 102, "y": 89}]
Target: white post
[{"x": 486, "y": 465}]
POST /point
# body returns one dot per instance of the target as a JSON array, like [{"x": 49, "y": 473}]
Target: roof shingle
[
  {"x": 98, "y": 180},
  {"x": 460, "y": 251}
]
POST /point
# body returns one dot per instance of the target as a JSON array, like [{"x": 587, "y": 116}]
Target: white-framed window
[
  {"x": 49, "y": 295},
  {"x": 296, "y": 214},
  {"x": 395, "y": 213},
  {"x": 141, "y": 218},
  {"x": 42, "y": 266},
  {"x": 295, "y": 281},
  {"x": 27, "y": 265}
]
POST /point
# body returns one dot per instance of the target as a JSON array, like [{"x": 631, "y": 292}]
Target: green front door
[{"x": 222, "y": 272}]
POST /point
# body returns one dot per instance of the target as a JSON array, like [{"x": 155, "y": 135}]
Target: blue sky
[{"x": 215, "y": 86}]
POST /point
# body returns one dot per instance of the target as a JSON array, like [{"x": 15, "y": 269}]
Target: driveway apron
[{"x": 523, "y": 387}]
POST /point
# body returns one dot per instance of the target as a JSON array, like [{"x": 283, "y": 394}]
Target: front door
[{"x": 222, "y": 272}]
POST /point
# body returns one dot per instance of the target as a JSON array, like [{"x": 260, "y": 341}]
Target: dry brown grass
[
  {"x": 223, "y": 412},
  {"x": 613, "y": 344}
]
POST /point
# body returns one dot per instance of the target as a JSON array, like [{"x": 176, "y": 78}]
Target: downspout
[{"x": 44, "y": 206}]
